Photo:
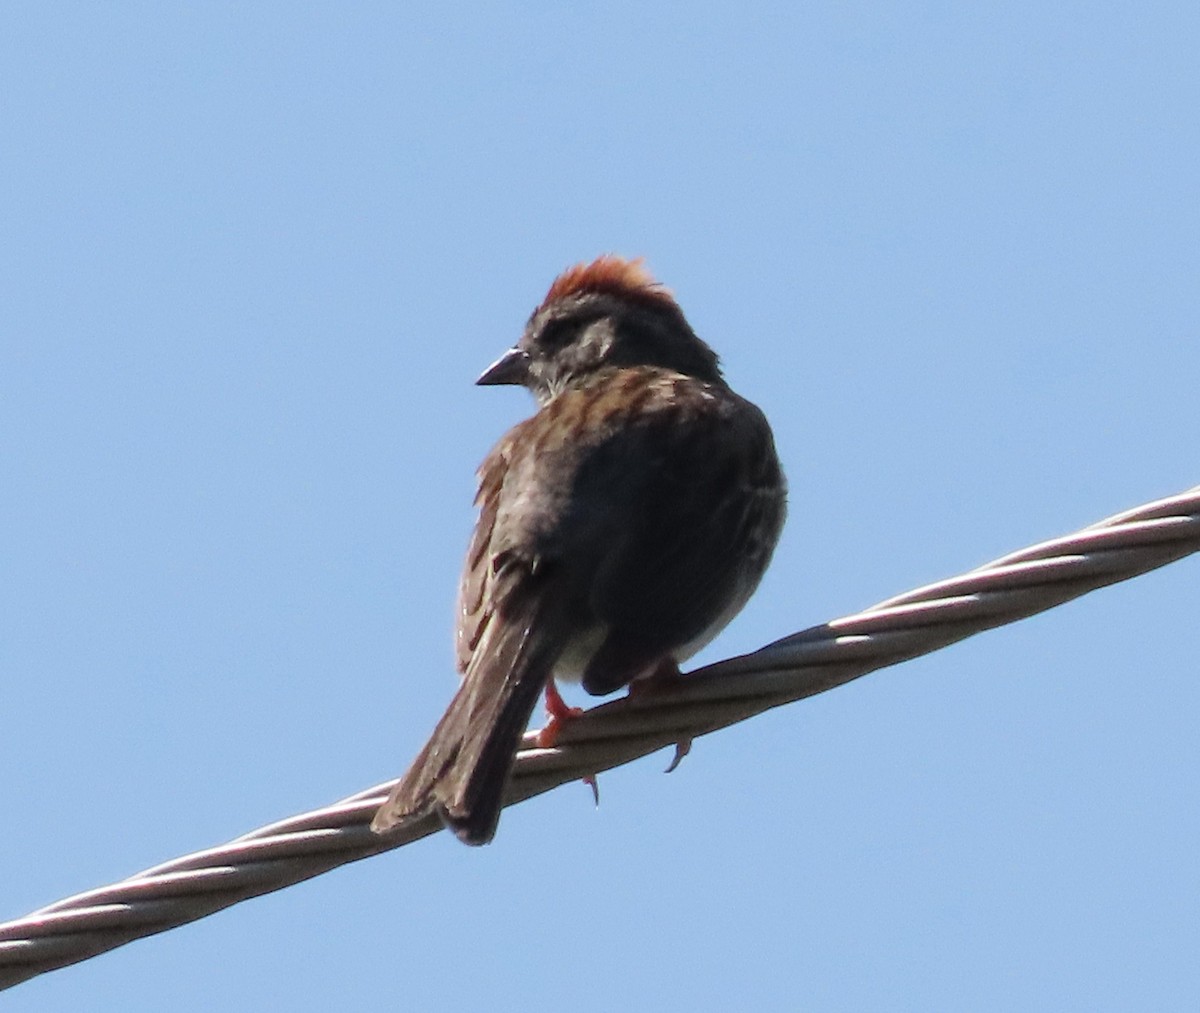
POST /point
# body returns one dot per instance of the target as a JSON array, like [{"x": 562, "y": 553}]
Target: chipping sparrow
[{"x": 620, "y": 528}]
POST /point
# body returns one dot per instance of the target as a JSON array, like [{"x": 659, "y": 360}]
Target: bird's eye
[{"x": 558, "y": 333}]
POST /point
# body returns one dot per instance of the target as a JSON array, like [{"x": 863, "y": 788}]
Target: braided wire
[{"x": 920, "y": 621}]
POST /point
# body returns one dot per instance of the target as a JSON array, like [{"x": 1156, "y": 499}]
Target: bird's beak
[{"x": 511, "y": 367}]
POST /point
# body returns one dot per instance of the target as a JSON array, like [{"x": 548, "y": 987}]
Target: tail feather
[{"x": 464, "y": 767}]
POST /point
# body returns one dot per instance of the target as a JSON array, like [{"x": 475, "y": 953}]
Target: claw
[
  {"x": 682, "y": 748},
  {"x": 665, "y": 676},
  {"x": 592, "y": 783}
]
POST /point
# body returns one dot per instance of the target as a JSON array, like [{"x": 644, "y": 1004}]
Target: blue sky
[{"x": 254, "y": 257}]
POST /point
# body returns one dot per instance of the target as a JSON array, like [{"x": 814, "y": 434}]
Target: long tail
[{"x": 464, "y": 767}]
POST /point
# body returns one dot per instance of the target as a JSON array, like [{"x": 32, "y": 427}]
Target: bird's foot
[
  {"x": 560, "y": 714},
  {"x": 664, "y": 677}
]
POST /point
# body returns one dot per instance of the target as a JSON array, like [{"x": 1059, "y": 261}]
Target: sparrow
[{"x": 620, "y": 528}]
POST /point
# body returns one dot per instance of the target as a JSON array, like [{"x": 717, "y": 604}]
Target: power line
[{"x": 923, "y": 620}]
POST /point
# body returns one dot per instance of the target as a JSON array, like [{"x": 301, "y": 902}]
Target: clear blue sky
[{"x": 254, "y": 257}]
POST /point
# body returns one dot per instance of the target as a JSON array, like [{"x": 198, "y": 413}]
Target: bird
[{"x": 620, "y": 528}]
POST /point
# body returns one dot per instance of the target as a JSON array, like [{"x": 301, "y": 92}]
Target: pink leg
[{"x": 559, "y": 713}]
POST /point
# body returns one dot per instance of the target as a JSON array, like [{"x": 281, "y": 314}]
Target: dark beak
[{"x": 511, "y": 367}]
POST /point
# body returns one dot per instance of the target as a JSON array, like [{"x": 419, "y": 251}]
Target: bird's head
[{"x": 607, "y": 314}]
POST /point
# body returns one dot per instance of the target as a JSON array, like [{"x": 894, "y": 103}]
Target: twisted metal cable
[{"x": 1013, "y": 587}]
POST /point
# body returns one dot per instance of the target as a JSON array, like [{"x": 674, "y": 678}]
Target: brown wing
[
  {"x": 473, "y": 601},
  {"x": 644, "y": 506},
  {"x": 663, "y": 492},
  {"x": 694, "y": 538},
  {"x": 506, "y": 647}
]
